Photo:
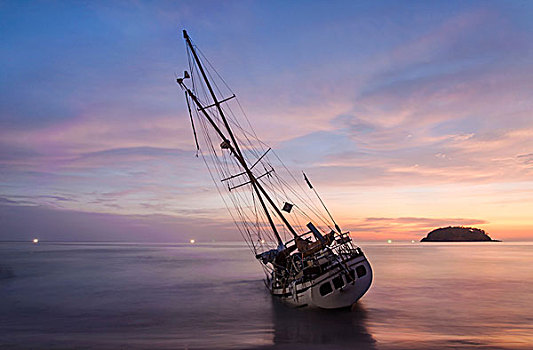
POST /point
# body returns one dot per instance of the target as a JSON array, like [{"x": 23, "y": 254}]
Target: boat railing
[
  {"x": 305, "y": 236},
  {"x": 342, "y": 243},
  {"x": 341, "y": 247}
]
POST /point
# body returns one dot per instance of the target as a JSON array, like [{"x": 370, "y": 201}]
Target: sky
[{"x": 408, "y": 115}]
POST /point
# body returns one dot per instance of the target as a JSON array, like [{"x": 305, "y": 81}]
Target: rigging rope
[{"x": 242, "y": 203}]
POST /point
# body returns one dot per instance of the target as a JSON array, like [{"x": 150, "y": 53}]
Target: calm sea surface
[{"x": 172, "y": 296}]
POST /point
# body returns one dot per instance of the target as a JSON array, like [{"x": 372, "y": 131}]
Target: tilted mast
[
  {"x": 327, "y": 271},
  {"x": 235, "y": 150}
]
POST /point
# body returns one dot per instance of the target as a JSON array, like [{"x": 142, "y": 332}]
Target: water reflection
[
  {"x": 149, "y": 297},
  {"x": 320, "y": 329}
]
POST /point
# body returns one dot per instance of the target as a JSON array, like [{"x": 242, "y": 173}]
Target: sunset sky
[{"x": 408, "y": 116}]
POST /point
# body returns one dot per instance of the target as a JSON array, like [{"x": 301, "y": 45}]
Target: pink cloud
[{"x": 405, "y": 227}]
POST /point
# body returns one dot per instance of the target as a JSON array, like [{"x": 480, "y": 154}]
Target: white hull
[{"x": 343, "y": 291}]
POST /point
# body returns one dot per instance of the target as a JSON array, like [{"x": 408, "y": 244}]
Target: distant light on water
[
  {"x": 389, "y": 241},
  {"x": 412, "y": 241},
  {"x": 262, "y": 241},
  {"x": 35, "y": 240},
  {"x": 192, "y": 241}
]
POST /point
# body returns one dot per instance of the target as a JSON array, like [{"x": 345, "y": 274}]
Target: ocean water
[{"x": 211, "y": 296}]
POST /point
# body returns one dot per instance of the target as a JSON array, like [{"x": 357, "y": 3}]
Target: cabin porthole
[
  {"x": 360, "y": 270},
  {"x": 325, "y": 288},
  {"x": 338, "y": 282}
]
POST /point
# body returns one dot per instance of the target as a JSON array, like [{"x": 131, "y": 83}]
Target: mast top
[{"x": 185, "y": 35}]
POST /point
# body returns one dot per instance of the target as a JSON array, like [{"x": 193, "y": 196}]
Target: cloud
[
  {"x": 122, "y": 180},
  {"x": 405, "y": 227},
  {"x": 526, "y": 159},
  {"x": 370, "y": 97},
  {"x": 435, "y": 123},
  {"x": 49, "y": 224}
]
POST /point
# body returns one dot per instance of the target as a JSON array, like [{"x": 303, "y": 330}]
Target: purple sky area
[{"x": 408, "y": 115}]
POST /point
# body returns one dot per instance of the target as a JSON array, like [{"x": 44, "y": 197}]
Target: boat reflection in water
[{"x": 319, "y": 328}]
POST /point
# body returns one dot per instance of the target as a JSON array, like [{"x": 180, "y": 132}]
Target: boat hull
[{"x": 339, "y": 287}]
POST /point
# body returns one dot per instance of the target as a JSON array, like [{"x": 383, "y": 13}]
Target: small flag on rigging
[
  {"x": 287, "y": 207},
  {"x": 307, "y": 180}
]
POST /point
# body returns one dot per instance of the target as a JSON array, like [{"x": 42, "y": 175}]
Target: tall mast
[
  {"x": 253, "y": 181},
  {"x": 235, "y": 150}
]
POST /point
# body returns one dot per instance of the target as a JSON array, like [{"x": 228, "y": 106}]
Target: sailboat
[{"x": 307, "y": 259}]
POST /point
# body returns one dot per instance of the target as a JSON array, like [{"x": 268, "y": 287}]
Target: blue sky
[{"x": 422, "y": 110}]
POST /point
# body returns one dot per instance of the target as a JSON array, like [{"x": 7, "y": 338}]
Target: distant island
[{"x": 457, "y": 234}]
